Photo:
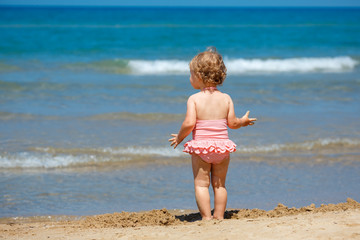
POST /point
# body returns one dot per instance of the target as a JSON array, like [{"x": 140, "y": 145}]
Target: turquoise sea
[{"x": 90, "y": 96}]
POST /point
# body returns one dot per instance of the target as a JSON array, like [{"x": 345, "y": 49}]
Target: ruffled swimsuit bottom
[{"x": 210, "y": 141}]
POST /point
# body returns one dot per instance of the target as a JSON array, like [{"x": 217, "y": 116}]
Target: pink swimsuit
[{"x": 210, "y": 141}]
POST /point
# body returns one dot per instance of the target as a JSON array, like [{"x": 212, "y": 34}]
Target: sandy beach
[
  {"x": 333, "y": 221},
  {"x": 89, "y": 97}
]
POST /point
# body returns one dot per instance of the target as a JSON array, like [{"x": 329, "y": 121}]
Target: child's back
[{"x": 211, "y": 104}]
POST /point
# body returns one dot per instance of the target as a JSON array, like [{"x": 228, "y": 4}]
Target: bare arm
[
  {"x": 188, "y": 124},
  {"x": 234, "y": 122}
]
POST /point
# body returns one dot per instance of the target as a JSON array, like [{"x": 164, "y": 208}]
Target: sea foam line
[
  {"x": 307, "y": 146},
  {"x": 36, "y": 160},
  {"x": 50, "y": 157},
  {"x": 248, "y": 66}
]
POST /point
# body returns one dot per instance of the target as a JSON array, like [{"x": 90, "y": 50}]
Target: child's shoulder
[
  {"x": 193, "y": 98},
  {"x": 226, "y": 95},
  {"x": 195, "y": 95}
]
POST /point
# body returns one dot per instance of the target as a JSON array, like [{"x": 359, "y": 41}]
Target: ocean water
[{"x": 90, "y": 96}]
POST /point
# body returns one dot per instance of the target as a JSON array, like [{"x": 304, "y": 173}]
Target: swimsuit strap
[{"x": 210, "y": 89}]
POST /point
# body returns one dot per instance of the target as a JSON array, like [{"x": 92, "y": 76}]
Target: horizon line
[{"x": 162, "y": 6}]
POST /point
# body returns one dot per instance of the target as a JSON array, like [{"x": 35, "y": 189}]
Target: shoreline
[{"x": 331, "y": 220}]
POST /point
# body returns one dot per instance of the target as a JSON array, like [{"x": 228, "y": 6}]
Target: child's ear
[{"x": 198, "y": 77}]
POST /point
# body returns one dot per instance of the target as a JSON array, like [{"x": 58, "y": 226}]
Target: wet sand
[{"x": 333, "y": 221}]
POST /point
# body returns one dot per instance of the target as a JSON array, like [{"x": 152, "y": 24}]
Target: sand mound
[
  {"x": 282, "y": 210},
  {"x": 125, "y": 219},
  {"x": 163, "y": 217}
]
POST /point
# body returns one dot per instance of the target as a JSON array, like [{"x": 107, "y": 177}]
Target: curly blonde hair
[{"x": 209, "y": 67}]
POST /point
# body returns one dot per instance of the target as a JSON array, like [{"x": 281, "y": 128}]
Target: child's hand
[
  {"x": 174, "y": 140},
  {"x": 246, "y": 120}
]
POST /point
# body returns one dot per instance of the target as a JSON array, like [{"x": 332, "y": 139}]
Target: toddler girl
[{"x": 209, "y": 112}]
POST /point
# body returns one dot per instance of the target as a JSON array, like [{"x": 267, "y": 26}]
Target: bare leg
[
  {"x": 201, "y": 172},
  {"x": 218, "y": 177}
]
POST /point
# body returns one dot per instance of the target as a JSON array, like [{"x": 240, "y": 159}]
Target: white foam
[
  {"x": 33, "y": 160},
  {"x": 248, "y": 66},
  {"x": 57, "y": 158},
  {"x": 159, "y": 151},
  {"x": 158, "y": 66},
  {"x": 308, "y": 145},
  {"x": 335, "y": 64}
]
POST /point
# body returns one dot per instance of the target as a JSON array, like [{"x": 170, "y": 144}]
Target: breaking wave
[
  {"x": 316, "y": 145},
  {"x": 234, "y": 66},
  {"x": 62, "y": 157},
  {"x": 301, "y": 65}
]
